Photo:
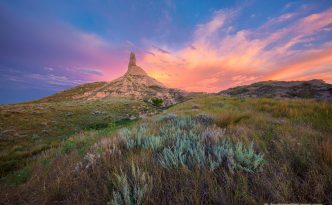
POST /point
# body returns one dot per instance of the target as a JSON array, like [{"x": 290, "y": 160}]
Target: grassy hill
[
  {"x": 28, "y": 129},
  {"x": 67, "y": 95},
  {"x": 311, "y": 89},
  {"x": 208, "y": 150}
]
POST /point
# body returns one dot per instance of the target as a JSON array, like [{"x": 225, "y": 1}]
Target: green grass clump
[{"x": 18, "y": 177}]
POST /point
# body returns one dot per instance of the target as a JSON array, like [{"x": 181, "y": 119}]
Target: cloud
[
  {"x": 130, "y": 44},
  {"x": 35, "y": 80},
  {"x": 92, "y": 72},
  {"x": 218, "y": 56},
  {"x": 161, "y": 50},
  {"x": 48, "y": 68},
  {"x": 289, "y": 5},
  {"x": 31, "y": 43},
  {"x": 151, "y": 53},
  {"x": 54, "y": 79},
  {"x": 192, "y": 47}
]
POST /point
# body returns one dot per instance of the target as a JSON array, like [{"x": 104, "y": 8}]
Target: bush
[
  {"x": 152, "y": 142},
  {"x": 204, "y": 119},
  {"x": 132, "y": 189},
  {"x": 190, "y": 152},
  {"x": 185, "y": 142},
  {"x": 246, "y": 159},
  {"x": 157, "y": 102},
  {"x": 186, "y": 152},
  {"x": 169, "y": 116},
  {"x": 141, "y": 140},
  {"x": 68, "y": 146}
]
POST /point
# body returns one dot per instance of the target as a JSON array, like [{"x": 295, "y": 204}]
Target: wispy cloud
[
  {"x": 287, "y": 47},
  {"x": 161, "y": 50},
  {"x": 38, "y": 80},
  {"x": 53, "y": 79},
  {"x": 49, "y": 68},
  {"x": 92, "y": 72}
]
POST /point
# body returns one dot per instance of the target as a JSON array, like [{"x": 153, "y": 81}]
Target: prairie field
[
  {"x": 207, "y": 150},
  {"x": 28, "y": 129}
]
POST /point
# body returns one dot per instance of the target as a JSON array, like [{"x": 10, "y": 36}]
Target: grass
[
  {"x": 225, "y": 151},
  {"x": 133, "y": 189},
  {"x": 30, "y": 128}
]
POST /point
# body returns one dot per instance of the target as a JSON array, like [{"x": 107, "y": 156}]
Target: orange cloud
[
  {"x": 309, "y": 63},
  {"x": 216, "y": 58}
]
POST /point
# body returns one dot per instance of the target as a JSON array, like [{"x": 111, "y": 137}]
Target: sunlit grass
[{"x": 208, "y": 150}]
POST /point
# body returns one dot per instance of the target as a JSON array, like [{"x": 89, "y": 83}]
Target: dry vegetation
[
  {"x": 30, "y": 128},
  {"x": 208, "y": 150}
]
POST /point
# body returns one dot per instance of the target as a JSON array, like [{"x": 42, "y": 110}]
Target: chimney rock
[{"x": 132, "y": 60}]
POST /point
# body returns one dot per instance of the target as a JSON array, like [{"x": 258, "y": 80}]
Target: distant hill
[
  {"x": 316, "y": 89},
  {"x": 135, "y": 84}
]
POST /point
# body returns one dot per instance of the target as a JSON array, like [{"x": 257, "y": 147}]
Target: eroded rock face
[{"x": 137, "y": 84}]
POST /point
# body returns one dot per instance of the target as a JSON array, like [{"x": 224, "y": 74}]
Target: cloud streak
[
  {"x": 92, "y": 72},
  {"x": 37, "y": 79}
]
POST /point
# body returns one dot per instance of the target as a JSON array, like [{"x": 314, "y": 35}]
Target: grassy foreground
[{"x": 208, "y": 150}]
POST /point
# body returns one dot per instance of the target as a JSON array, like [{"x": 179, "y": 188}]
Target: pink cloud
[{"x": 216, "y": 58}]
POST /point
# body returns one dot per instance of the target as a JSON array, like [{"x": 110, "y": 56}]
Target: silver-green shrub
[
  {"x": 186, "y": 152},
  {"x": 152, "y": 142},
  {"x": 141, "y": 139},
  {"x": 187, "y": 142},
  {"x": 246, "y": 159},
  {"x": 132, "y": 188}
]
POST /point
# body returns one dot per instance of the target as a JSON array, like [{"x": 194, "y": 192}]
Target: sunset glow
[
  {"x": 283, "y": 48},
  {"x": 202, "y": 47}
]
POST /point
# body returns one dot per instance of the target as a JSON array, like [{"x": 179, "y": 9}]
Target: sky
[{"x": 47, "y": 46}]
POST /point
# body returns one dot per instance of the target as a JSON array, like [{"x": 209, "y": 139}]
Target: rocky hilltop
[
  {"x": 135, "y": 84},
  {"x": 316, "y": 89}
]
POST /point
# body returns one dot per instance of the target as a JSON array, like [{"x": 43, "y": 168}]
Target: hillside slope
[
  {"x": 316, "y": 89},
  {"x": 134, "y": 84},
  {"x": 29, "y": 128}
]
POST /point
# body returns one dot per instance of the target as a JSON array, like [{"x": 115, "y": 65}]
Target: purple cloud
[{"x": 92, "y": 72}]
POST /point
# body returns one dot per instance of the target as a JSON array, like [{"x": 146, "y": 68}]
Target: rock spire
[
  {"x": 132, "y": 60},
  {"x": 133, "y": 69}
]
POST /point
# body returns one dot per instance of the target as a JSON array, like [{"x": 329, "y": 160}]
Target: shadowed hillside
[{"x": 316, "y": 89}]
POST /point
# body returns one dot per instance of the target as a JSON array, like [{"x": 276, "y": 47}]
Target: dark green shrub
[{"x": 157, "y": 102}]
